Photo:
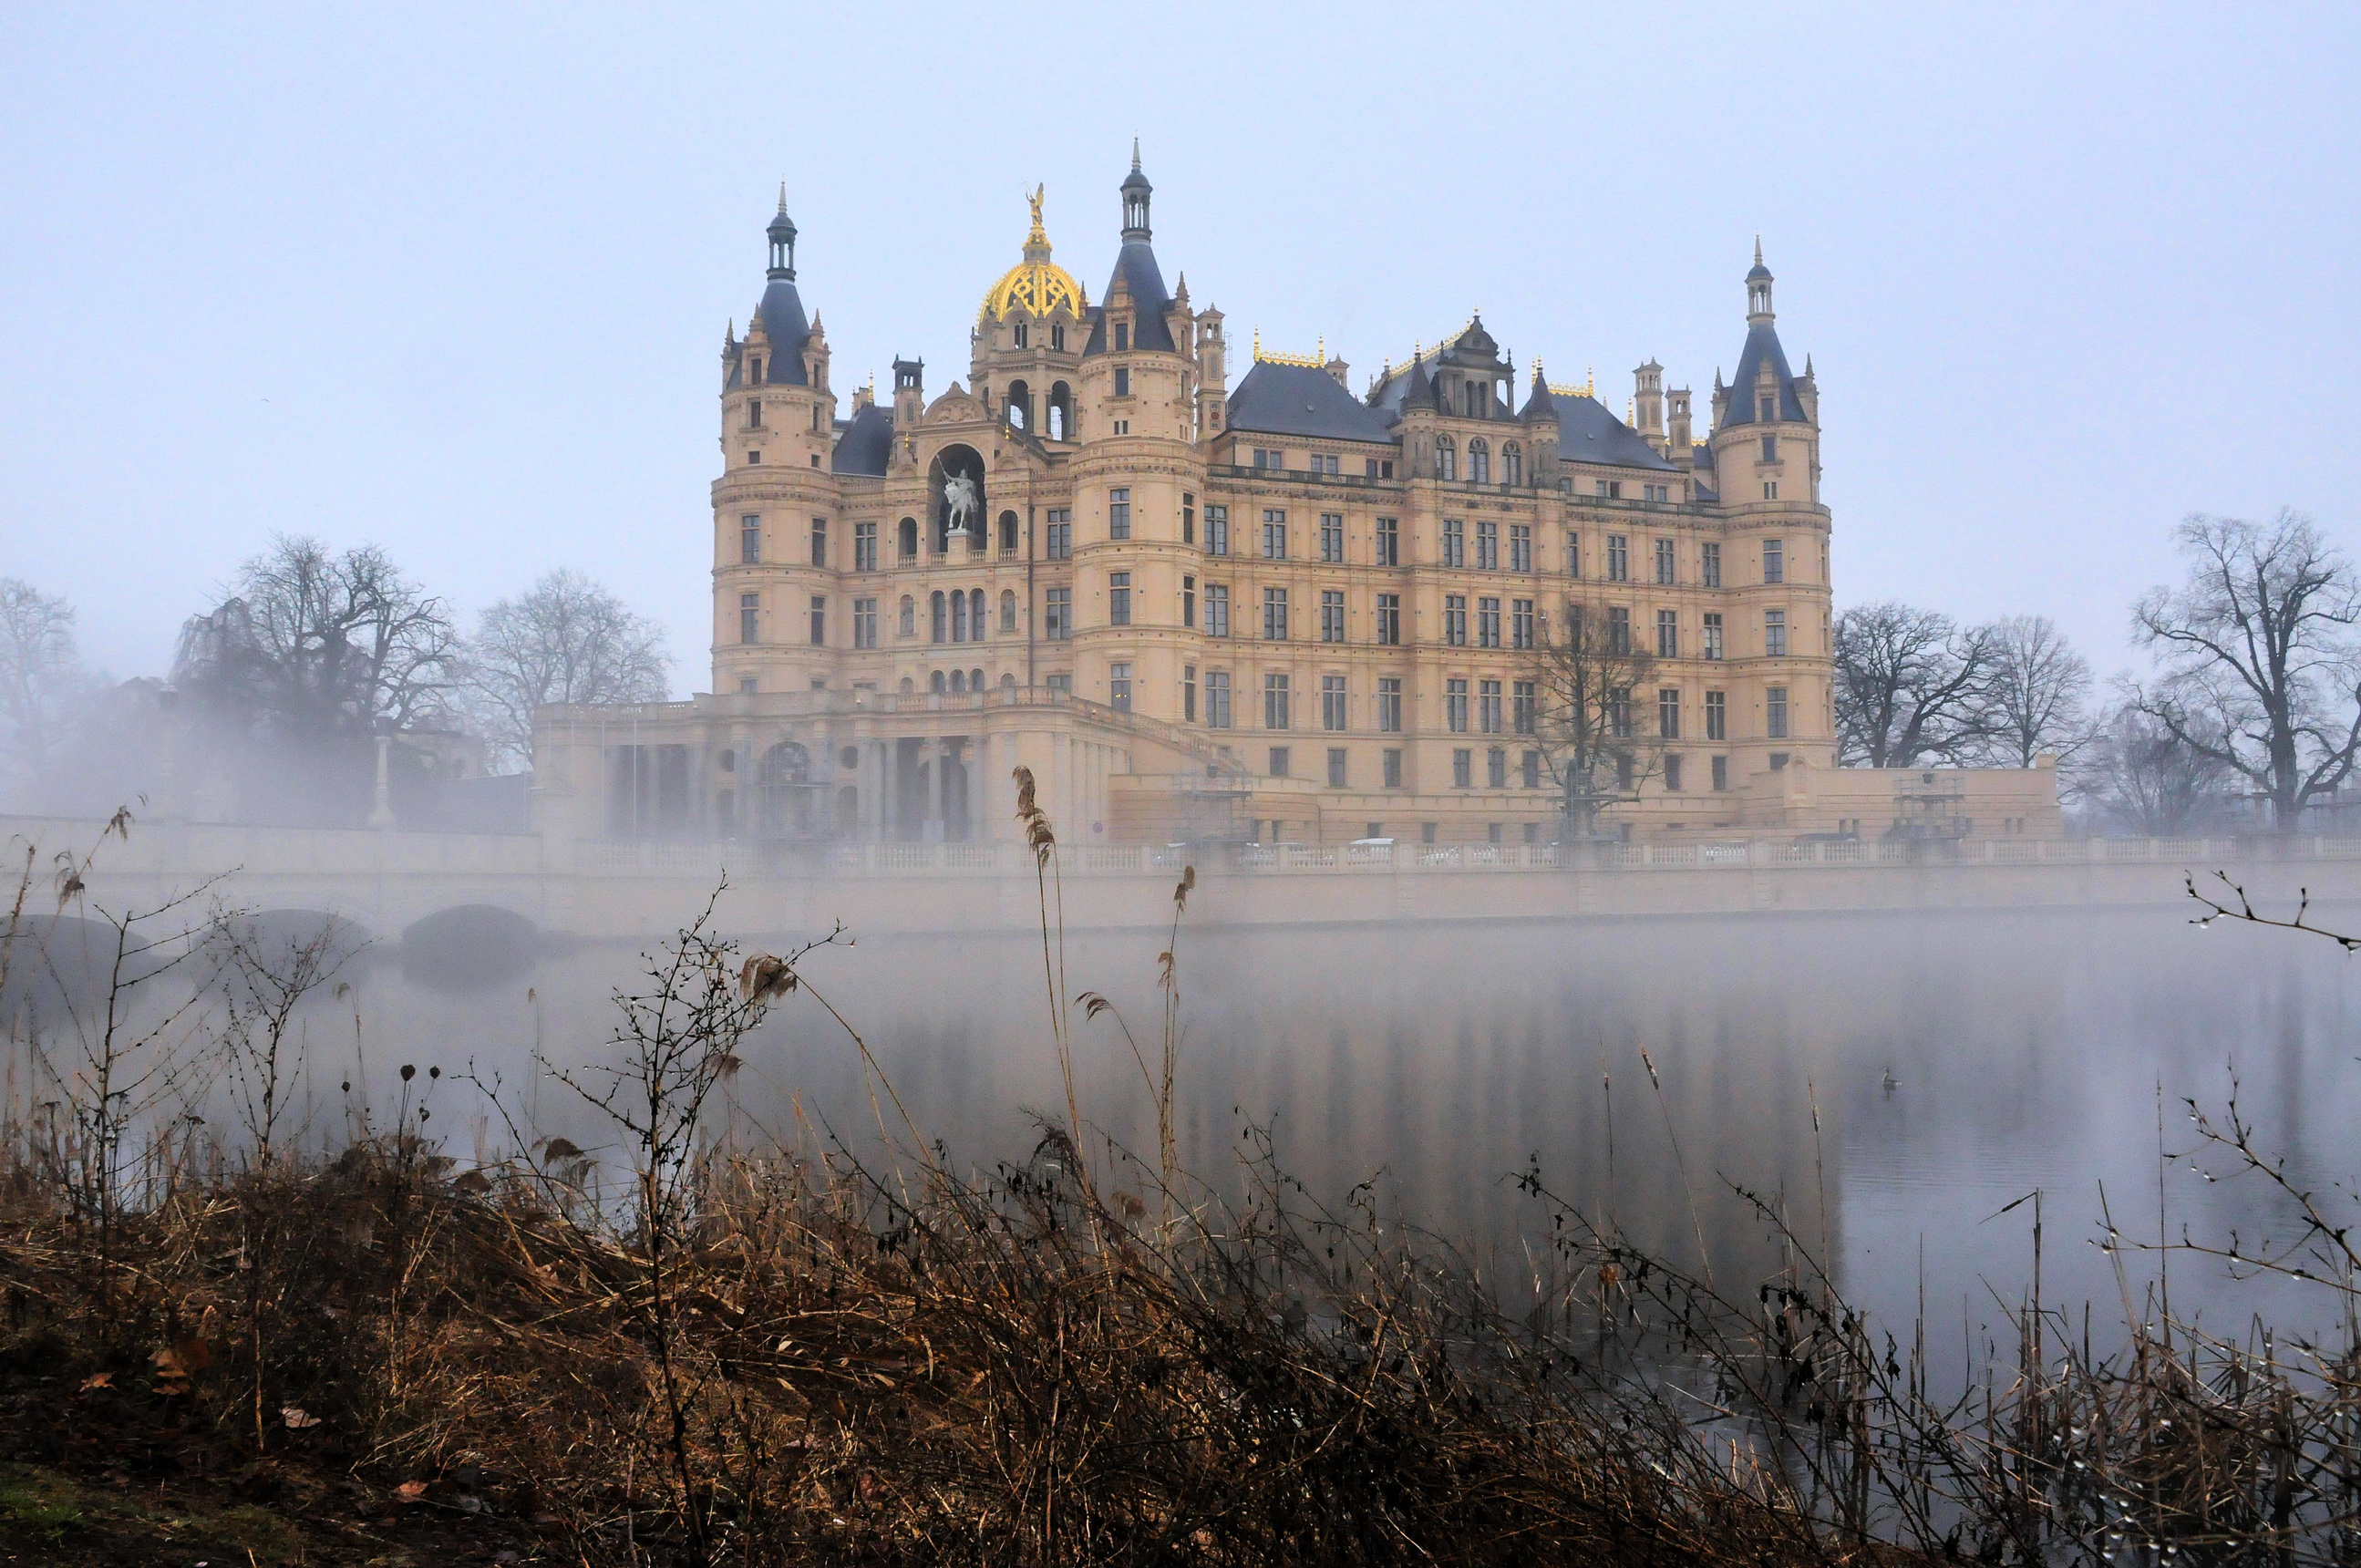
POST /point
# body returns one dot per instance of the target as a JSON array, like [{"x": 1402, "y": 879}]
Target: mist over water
[{"x": 2023, "y": 1051}]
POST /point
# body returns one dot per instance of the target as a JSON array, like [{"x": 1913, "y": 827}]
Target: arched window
[
  {"x": 1008, "y": 683},
  {"x": 1060, "y": 418},
  {"x": 909, "y": 539},
  {"x": 1020, "y": 403},
  {"x": 1008, "y": 610},
  {"x": 1008, "y": 534},
  {"x": 1446, "y": 458},
  {"x": 907, "y": 688},
  {"x": 975, "y": 680},
  {"x": 958, "y": 680},
  {"x": 935, "y": 683},
  {"x": 975, "y": 615},
  {"x": 1512, "y": 464},
  {"x": 959, "y": 615},
  {"x": 909, "y": 627},
  {"x": 940, "y": 628},
  {"x": 1479, "y": 462}
]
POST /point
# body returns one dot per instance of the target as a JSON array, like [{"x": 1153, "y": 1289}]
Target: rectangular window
[
  {"x": 1323, "y": 463},
  {"x": 1664, "y": 561},
  {"x": 1668, "y": 712},
  {"x": 1058, "y": 616},
  {"x": 1189, "y": 693},
  {"x": 1525, "y": 707},
  {"x": 864, "y": 623},
  {"x": 864, "y": 546},
  {"x": 750, "y": 618},
  {"x": 1487, "y": 622},
  {"x": 1775, "y": 633},
  {"x": 1721, "y": 772},
  {"x": 1274, "y": 614},
  {"x": 1119, "y": 687},
  {"x": 1488, "y": 545},
  {"x": 1454, "y": 542},
  {"x": 1574, "y": 555},
  {"x": 1712, "y": 649},
  {"x": 1521, "y": 623},
  {"x": 819, "y": 541},
  {"x": 1769, "y": 408},
  {"x": 1463, "y": 767},
  {"x": 1717, "y": 716},
  {"x": 1331, "y": 615},
  {"x": 1487, "y": 707},
  {"x": 1332, "y": 702},
  {"x": 1774, "y": 712},
  {"x": 1496, "y": 774},
  {"x": 1455, "y": 619},
  {"x": 1671, "y": 770},
  {"x": 1388, "y": 619},
  {"x": 1668, "y": 634},
  {"x": 1188, "y": 600},
  {"x": 1332, "y": 536},
  {"x": 1274, "y": 534},
  {"x": 1335, "y": 767},
  {"x": 1619, "y": 558},
  {"x": 1774, "y": 561},
  {"x": 1275, "y": 695},
  {"x": 1521, "y": 547},
  {"x": 1618, "y": 717},
  {"x": 1388, "y": 541},
  {"x": 1122, "y": 337},
  {"x": 819, "y": 622},
  {"x": 1710, "y": 564},
  {"x": 1062, "y": 681},
  {"x": 1060, "y": 545},
  {"x": 749, "y": 541},
  {"x": 1532, "y": 762},
  {"x": 1390, "y": 712},
  {"x": 1217, "y": 699},
  {"x": 1217, "y": 529},
  {"x": 1266, "y": 459},
  {"x": 1217, "y": 610},
  {"x": 1281, "y": 760},
  {"x": 1392, "y": 761},
  {"x": 1119, "y": 512},
  {"x": 1188, "y": 518},
  {"x": 1770, "y": 449},
  {"x": 1619, "y": 630},
  {"x": 1122, "y": 373},
  {"x": 1454, "y": 706},
  {"x": 1118, "y": 598}
]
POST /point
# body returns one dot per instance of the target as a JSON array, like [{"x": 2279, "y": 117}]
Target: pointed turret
[
  {"x": 782, "y": 310},
  {"x": 1764, "y": 390},
  {"x": 1137, "y": 277}
]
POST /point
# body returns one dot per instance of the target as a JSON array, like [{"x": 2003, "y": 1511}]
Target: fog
[{"x": 1890, "y": 1083}]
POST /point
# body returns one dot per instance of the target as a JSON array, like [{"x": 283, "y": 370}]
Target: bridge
[{"x": 506, "y": 887}]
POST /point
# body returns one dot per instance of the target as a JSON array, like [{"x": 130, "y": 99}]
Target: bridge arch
[{"x": 469, "y": 947}]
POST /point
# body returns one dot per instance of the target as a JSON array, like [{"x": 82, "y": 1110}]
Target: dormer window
[
  {"x": 1122, "y": 337},
  {"x": 756, "y": 376},
  {"x": 1769, "y": 409}
]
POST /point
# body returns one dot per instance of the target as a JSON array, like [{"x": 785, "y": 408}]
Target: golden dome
[{"x": 1035, "y": 285}]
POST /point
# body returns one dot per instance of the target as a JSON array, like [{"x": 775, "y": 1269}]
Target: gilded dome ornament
[{"x": 1035, "y": 285}]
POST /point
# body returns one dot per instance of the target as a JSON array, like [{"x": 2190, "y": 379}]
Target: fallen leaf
[
  {"x": 297, "y": 1417},
  {"x": 410, "y": 1491},
  {"x": 98, "y": 1380}
]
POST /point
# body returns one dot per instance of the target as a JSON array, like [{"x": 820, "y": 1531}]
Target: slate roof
[
  {"x": 1588, "y": 432},
  {"x": 1408, "y": 387},
  {"x": 1300, "y": 400},
  {"x": 782, "y": 310},
  {"x": 1135, "y": 269},
  {"x": 1762, "y": 349},
  {"x": 866, "y": 444}
]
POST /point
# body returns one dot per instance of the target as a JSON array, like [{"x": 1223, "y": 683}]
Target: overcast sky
[{"x": 454, "y": 280}]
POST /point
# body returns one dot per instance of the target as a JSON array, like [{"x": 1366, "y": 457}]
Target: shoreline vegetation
[{"x": 231, "y": 1329}]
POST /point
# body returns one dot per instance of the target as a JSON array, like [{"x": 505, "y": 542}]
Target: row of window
[
  {"x": 1329, "y": 536},
  {"x": 959, "y": 615},
  {"x": 1491, "y": 708},
  {"x": 1530, "y": 773}
]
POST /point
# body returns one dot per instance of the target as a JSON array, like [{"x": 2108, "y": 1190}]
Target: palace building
[{"x": 1278, "y": 609}]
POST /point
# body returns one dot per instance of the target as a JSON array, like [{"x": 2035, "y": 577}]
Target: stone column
[
  {"x": 873, "y": 789},
  {"x": 940, "y": 756},
  {"x": 380, "y": 815}
]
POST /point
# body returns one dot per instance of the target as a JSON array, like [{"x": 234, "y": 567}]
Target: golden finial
[{"x": 1040, "y": 235}]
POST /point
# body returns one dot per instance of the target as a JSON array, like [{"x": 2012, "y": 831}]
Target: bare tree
[
  {"x": 1909, "y": 685},
  {"x": 2259, "y": 661},
  {"x": 41, "y": 675},
  {"x": 310, "y": 645},
  {"x": 2146, "y": 780},
  {"x": 566, "y": 641},
  {"x": 1588, "y": 673},
  {"x": 2036, "y": 695}
]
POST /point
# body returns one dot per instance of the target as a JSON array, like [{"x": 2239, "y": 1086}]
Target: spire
[
  {"x": 1758, "y": 290},
  {"x": 783, "y": 239},
  {"x": 781, "y": 313},
  {"x": 1136, "y": 190}
]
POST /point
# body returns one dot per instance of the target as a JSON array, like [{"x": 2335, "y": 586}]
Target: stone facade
[{"x": 1282, "y": 610}]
